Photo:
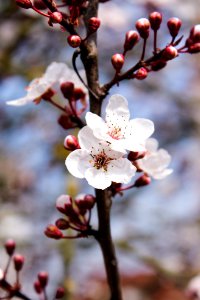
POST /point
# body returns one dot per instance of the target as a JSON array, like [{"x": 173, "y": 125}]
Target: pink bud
[
  {"x": 174, "y": 25},
  {"x": 67, "y": 88},
  {"x": 169, "y": 53},
  {"x": 74, "y": 40},
  {"x": 71, "y": 143},
  {"x": 143, "y": 26},
  {"x": 93, "y": 24},
  {"x": 56, "y": 17},
  {"x": 195, "y": 34},
  {"x": 43, "y": 278},
  {"x": 141, "y": 73},
  {"x": 60, "y": 293},
  {"x": 65, "y": 122},
  {"x": 79, "y": 93},
  {"x": 18, "y": 262},
  {"x": 63, "y": 203},
  {"x": 37, "y": 287},
  {"x": 132, "y": 38},
  {"x": 62, "y": 224},
  {"x": 53, "y": 232},
  {"x": 24, "y": 3},
  {"x": 155, "y": 19},
  {"x": 142, "y": 181},
  {"x": 194, "y": 48},
  {"x": 39, "y": 4},
  {"x": 10, "y": 247},
  {"x": 85, "y": 202},
  {"x": 158, "y": 65},
  {"x": 117, "y": 61}
]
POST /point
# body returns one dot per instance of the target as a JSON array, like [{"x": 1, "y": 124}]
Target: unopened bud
[
  {"x": 169, "y": 53},
  {"x": 63, "y": 203},
  {"x": 10, "y": 247},
  {"x": 60, "y": 293},
  {"x": 195, "y": 34},
  {"x": 85, "y": 202},
  {"x": 79, "y": 93},
  {"x": 56, "y": 17},
  {"x": 18, "y": 262},
  {"x": 74, "y": 40},
  {"x": 43, "y": 278},
  {"x": 37, "y": 287},
  {"x": 67, "y": 88},
  {"x": 142, "y": 181},
  {"x": 132, "y": 156},
  {"x": 143, "y": 26},
  {"x": 194, "y": 48},
  {"x": 174, "y": 25},
  {"x": 155, "y": 19},
  {"x": 158, "y": 65},
  {"x": 93, "y": 24},
  {"x": 39, "y": 4},
  {"x": 117, "y": 61},
  {"x": 24, "y": 3},
  {"x": 141, "y": 74},
  {"x": 65, "y": 122},
  {"x": 132, "y": 38},
  {"x": 53, "y": 232},
  {"x": 71, "y": 143},
  {"x": 62, "y": 224}
]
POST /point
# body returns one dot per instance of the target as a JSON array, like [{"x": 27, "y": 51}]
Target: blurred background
[{"x": 156, "y": 228}]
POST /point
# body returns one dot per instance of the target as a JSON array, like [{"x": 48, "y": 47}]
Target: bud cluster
[
  {"x": 77, "y": 214},
  {"x": 14, "y": 290}
]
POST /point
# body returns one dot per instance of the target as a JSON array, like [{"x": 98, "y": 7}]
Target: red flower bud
[
  {"x": 18, "y": 262},
  {"x": 117, "y": 61},
  {"x": 65, "y": 122},
  {"x": 132, "y": 156},
  {"x": 74, "y": 40},
  {"x": 174, "y": 25},
  {"x": 62, "y": 224},
  {"x": 195, "y": 34},
  {"x": 37, "y": 287},
  {"x": 60, "y": 293},
  {"x": 142, "y": 181},
  {"x": 155, "y": 19},
  {"x": 10, "y": 247},
  {"x": 143, "y": 26},
  {"x": 132, "y": 38},
  {"x": 158, "y": 65},
  {"x": 63, "y": 202},
  {"x": 169, "y": 53},
  {"x": 141, "y": 73},
  {"x": 43, "y": 278},
  {"x": 39, "y": 4},
  {"x": 53, "y": 232},
  {"x": 79, "y": 93},
  {"x": 67, "y": 88},
  {"x": 71, "y": 143},
  {"x": 56, "y": 17},
  {"x": 93, "y": 24},
  {"x": 24, "y": 3},
  {"x": 194, "y": 48},
  {"x": 85, "y": 202}
]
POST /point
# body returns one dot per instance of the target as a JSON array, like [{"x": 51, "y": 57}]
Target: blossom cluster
[{"x": 101, "y": 156}]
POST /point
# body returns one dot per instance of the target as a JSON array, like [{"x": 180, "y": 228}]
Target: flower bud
[
  {"x": 65, "y": 122},
  {"x": 60, "y": 293},
  {"x": 93, "y": 24},
  {"x": 67, "y": 88},
  {"x": 117, "y": 61},
  {"x": 195, "y": 34},
  {"x": 10, "y": 247},
  {"x": 132, "y": 38},
  {"x": 37, "y": 287},
  {"x": 43, "y": 278},
  {"x": 141, "y": 74},
  {"x": 158, "y": 65},
  {"x": 169, "y": 53},
  {"x": 132, "y": 156},
  {"x": 63, "y": 203},
  {"x": 71, "y": 143},
  {"x": 142, "y": 181},
  {"x": 85, "y": 202},
  {"x": 53, "y": 232},
  {"x": 194, "y": 48},
  {"x": 56, "y": 17},
  {"x": 39, "y": 4},
  {"x": 74, "y": 40},
  {"x": 18, "y": 262},
  {"x": 62, "y": 224},
  {"x": 143, "y": 26},
  {"x": 79, "y": 93},
  {"x": 24, "y": 3},
  {"x": 155, "y": 19},
  {"x": 174, "y": 25}
]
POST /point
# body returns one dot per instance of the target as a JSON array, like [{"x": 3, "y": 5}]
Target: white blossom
[
  {"x": 117, "y": 129},
  {"x": 55, "y": 74},
  {"x": 98, "y": 163},
  {"x": 155, "y": 161}
]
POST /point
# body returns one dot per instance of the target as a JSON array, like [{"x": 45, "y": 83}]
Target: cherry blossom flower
[
  {"x": 55, "y": 74},
  {"x": 98, "y": 163},
  {"x": 117, "y": 129},
  {"x": 155, "y": 161}
]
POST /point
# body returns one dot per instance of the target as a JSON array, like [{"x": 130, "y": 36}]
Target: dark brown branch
[{"x": 12, "y": 292}]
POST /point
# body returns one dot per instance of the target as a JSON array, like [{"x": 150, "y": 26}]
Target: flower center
[
  {"x": 115, "y": 133},
  {"x": 101, "y": 160}
]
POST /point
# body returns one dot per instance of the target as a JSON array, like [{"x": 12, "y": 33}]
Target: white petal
[
  {"x": 140, "y": 129},
  {"x": 20, "y": 101},
  {"x": 97, "y": 125},
  {"x": 121, "y": 170},
  {"x": 117, "y": 110},
  {"x": 55, "y": 71},
  {"x": 37, "y": 88},
  {"x": 87, "y": 140},
  {"x": 151, "y": 145},
  {"x": 162, "y": 174},
  {"x": 133, "y": 145},
  {"x": 97, "y": 178},
  {"x": 164, "y": 157},
  {"x": 77, "y": 162}
]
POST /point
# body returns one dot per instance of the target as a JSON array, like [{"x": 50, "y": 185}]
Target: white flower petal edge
[{"x": 77, "y": 162}]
